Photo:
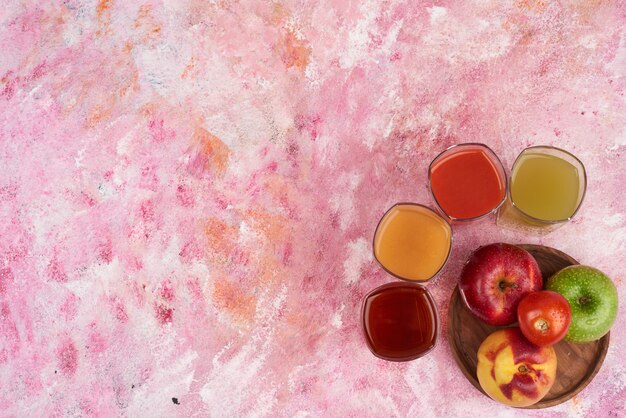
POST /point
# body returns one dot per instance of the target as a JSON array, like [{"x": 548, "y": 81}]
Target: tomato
[{"x": 544, "y": 317}]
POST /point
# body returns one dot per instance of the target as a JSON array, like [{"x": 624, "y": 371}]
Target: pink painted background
[{"x": 189, "y": 189}]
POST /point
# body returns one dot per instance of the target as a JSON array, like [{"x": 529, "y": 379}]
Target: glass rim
[
  {"x": 501, "y": 166},
  {"x": 548, "y": 221},
  {"x": 445, "y": 261},
  {"x": 432, "y": 303}
]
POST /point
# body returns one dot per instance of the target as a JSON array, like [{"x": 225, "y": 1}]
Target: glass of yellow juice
[
  {"x": 412, "y": 242},
  {"x": 546, "y": 188}
]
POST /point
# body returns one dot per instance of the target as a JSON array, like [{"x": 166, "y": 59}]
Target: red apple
[{"x": 495, "y": 278}]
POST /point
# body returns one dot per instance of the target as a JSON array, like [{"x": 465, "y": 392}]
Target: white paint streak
[
  {"x": 216, "y": 358},
  {"x": 614, "y": 220},
  {"x": 123, "y": 146},
  {"x": 374, "y": 400},
  {"x": 392, "y": 35},
  {"x": 292, "y": 378},
  {"x": 247, "y": 235},
  {"x": 312, "y": 73},
  {"x": 359, "y": 253},
  {"x": 342, "y": 200},
  {"x": 359, "y": 37},
  {"x": 436, "y": 14},
  {"x": 174, "y": 378},
  {"x": 232, "y": 382},
  {"x": 465, "y": 40},
  {"x": 389, "y": 126},
  {"x": 336, "y": 320}
]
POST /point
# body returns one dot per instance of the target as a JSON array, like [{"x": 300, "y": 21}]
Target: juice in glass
[
  {"x": 545, "y": 186},
  {"x": 546, "y": 189},
  {"x": 412, "y": 242},
  {"x": 400, "y": 321},
  {"x": 467, "y": 181}
]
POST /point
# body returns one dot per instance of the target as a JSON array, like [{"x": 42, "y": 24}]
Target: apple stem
[{"x": 503, "y": 285}]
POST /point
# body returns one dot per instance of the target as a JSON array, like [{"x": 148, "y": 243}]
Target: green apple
[{"x": 592, "y": 297}]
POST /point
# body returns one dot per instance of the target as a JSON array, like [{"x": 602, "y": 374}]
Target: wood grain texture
[{"x": 577, "y": 363}]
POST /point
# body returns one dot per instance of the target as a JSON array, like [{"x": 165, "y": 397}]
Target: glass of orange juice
[
  {"x": 546, "y": 189},
  {"x": 412, "y": 242}
]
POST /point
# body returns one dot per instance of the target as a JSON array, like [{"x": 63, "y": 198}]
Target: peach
[{"x": 514, "y": 371}]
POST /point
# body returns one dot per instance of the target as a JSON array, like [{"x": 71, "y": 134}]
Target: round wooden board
[{"x": 577, "y": 364}]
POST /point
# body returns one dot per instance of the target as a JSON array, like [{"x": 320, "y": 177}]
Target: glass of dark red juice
[{"x": 400, "y": 321}]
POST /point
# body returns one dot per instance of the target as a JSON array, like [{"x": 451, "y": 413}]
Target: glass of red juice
[
  {"x": 467, "y": 182},
  {"x": 400, "y": 321}
]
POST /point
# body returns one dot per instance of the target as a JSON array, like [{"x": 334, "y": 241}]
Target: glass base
[{"x": 509, "y": 217}]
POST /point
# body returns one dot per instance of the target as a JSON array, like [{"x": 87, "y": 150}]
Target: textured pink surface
[{"x": 188, "y": 193}]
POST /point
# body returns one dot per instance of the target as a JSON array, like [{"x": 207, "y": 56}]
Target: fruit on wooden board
[
  {"x": 544, "y": 317},
  {"x": 495, "y": 278},
  {"x": 593, "y": 300},
  {"x": 514, "y": 371}
]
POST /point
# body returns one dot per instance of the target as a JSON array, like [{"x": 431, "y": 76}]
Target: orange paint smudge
[
  {"x": 583, "y": 11},
  {"x": 103, "y": 11},
  {"x": 278, "y": 14},
  {"x": 128, "y": 83},
  {"x": 128, "y": 47},
  {"x": 517, "y": 25},
  {"x": 97, "y": 114},
  {"x": 103, "y": 6},
  {"x": 132, "y": 84},
  {"x": 149, "y": 109},
  {"x": 221, "y": 239},
  {"x": 273, "y": 231},
  {"x": 189, "y": 67},
  {"x": 231, "y": 299},
  {"x": 146, "y": 23},
  {"x": 211, "y": 152},
  {"x": 158, "y": 106},
  {"x": 282, "y": 190},
  {"x": 295, "y": 52},
  {"x": 143, "y": 13},
  {"x": 272, "y": 272},
  {"x": 273, "y": 227},
  {"x": 535, "y": 6}
]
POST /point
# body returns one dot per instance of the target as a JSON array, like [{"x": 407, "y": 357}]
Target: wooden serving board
[{"x": 577, "y": 364}]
